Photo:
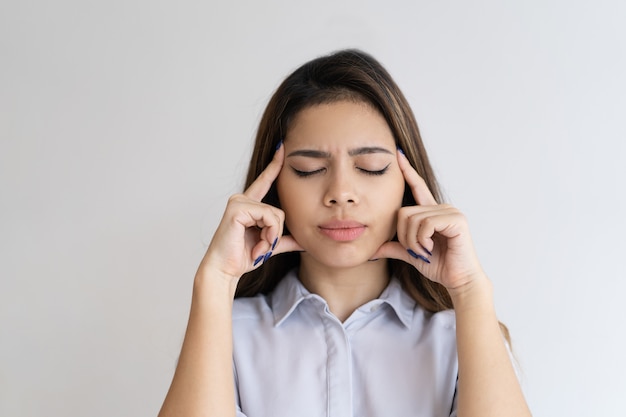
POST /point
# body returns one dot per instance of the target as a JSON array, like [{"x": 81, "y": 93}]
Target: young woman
[{"x": 338, "y": 284}]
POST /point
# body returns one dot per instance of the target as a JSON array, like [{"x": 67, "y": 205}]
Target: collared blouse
[{"x": 293, "y": 357}]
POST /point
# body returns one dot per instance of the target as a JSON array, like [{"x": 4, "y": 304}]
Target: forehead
[{"x": 342, "y": 123}]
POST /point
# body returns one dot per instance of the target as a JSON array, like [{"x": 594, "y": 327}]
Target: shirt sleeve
[
  {"x": 238, "y": 411},
  {"x": 453, "y": 411}
]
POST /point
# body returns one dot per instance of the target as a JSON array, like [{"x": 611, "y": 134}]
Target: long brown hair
[{"x": 344, "y": 75}]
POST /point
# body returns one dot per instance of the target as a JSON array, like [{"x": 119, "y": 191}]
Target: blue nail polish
[
  {"x": 427, "y": 251},
  {"x": 279, "y": 145},
  {"x": 267, "y": 256},
  {"x": 257, "y": 260},
  {"x": 274, "y": 244},
  {"x": 416, "y": 256},
  {"x": 400, "y": 150}
]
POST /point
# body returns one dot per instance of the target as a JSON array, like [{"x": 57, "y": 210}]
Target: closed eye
[
  {"x": 378, "y": 172},
  {"x": 307, "y": 173}
]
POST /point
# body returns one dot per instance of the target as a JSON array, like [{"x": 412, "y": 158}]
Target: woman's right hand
[{"x": 250, "y": 231}]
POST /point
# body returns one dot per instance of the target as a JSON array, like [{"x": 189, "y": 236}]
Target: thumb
[
  {"x": 287, "y": 244},
  {"x": 392, "y": 250}
]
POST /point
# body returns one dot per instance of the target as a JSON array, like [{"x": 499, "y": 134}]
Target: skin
[
  {"x": 348, "y": 154},
  {"x": 341, "y": 270}
]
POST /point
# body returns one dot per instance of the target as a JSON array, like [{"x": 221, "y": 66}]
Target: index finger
[
  {"x": 418, "y": 186},
  {"x": 259, "y": 188}
]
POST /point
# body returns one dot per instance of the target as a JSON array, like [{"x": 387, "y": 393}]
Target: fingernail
[
  {"x": 267, "y": 256},
  {"x": 274, "y": 244},
  {"x": 416, "y": 256},
  {"x": 372, "y": 260},
  {"x": 400, "y": 150},
  {"x": 279, "y": 145},
  {"x": 427, "y": 251},
  {"x": 257, "y": 260}
]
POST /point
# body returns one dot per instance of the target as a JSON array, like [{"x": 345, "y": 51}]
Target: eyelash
[
  {"x": 305, "y": 174},
  {"x": 379, "y": 172}
]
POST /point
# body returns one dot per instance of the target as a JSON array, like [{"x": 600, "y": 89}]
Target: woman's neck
[{"x": 344, "y": 289}]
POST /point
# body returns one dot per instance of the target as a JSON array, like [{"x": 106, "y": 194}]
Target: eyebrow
[{"x": 310, "y": 153}]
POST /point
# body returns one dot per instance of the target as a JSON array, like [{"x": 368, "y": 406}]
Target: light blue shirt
[{"x": 293, "y": 357}]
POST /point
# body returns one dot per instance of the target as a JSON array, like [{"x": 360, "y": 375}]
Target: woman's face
[{"x": 340, "y": 185}]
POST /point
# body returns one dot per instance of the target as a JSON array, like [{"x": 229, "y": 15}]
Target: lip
[{"x": 342, "y": 230}]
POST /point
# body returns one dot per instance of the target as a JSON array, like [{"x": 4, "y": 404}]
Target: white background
[{"x": 126, "y": 124}]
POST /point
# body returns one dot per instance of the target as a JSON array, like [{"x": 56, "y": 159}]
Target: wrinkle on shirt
[
  {"x": 292, "y": 356},
  {"x": 289, "y": 294}
]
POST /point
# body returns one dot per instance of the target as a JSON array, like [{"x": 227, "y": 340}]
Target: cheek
[
  {"x": 393, "y": 196},
  {"x": 291, "y": 198},
  {"x": 395, "y": 190},
  {"x": 282, "y": 191}
]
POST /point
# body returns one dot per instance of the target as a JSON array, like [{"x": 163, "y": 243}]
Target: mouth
[{"x": 342, "y": 230}]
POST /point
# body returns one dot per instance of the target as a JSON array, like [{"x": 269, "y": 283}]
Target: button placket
[{"x": 339, "y": 367}]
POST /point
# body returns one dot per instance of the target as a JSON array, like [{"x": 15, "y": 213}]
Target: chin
[{"x": 338, "y": 258}]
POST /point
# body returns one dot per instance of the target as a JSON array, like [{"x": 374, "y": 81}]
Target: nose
[{"x": 340, "y": 190}]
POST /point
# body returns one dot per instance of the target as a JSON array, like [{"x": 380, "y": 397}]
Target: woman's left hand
[{"x": 432, "y": 237}]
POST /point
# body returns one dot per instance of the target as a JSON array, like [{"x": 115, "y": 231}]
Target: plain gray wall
[{"x": 125, "y": 125}]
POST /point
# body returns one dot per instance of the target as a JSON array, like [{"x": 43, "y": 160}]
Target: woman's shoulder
[
  {"x": 444, "y": 318},
  {"x": 413, "y": 314},
  {"x": 442, "y": 322},
  {"x": 251, "y": 308},
  {"x": 261, "y": 307}
]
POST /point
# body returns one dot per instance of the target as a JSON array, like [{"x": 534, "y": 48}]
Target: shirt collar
[{"x": 290, "y": 292}]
